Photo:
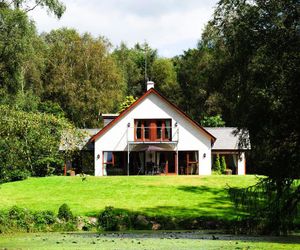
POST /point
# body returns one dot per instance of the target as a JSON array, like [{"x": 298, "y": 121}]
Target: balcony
[{"x": 153, "y": 134}]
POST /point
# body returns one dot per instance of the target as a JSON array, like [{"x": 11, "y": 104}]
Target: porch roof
[
  {"x": 85, "y": 143},
  {"x": 228, "y": 138}
]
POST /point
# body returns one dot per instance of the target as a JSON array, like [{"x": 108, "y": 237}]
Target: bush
[
  {"x": 64, "y": 212},
  {"x": 108, "y": 220},
  {"x": 18, "y": 219},
  {"x": 21, "y": 218},
  {"x": 217, "y": 165},
  {"x": 223, "y": 165},
  {"x": 12, "y": 174},
  {"x": 113, "y": 220},
  {"x": 44, "y": 218}
]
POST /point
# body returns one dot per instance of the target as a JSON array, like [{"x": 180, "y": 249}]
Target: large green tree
[
  {"x": 16, "y": 48},
  {"x": 81, "y": 76},
  {"x": 142, "y": 63},
  {"x": 257, "y": 65},
  {"x": 165, "y": 77},
  {"x": 30, "y": 141},
  {"x": 21, "y": 50},
  {"x": 193, "y": 72},
  {"x": 136, "y": 65}
]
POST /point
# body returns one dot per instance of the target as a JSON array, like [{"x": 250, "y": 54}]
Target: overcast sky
[{"x": 171, "y": 26}]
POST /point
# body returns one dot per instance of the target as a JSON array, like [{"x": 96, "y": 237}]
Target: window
[
  {"x": 147, "y": 132},
  {"x": 153, "y": 130},
  {"x": 108, "y": 161},
  {"x": 139, "y": 129},
  {"x": 159, "y": 129},
  {"x": 167, "y": 130}
]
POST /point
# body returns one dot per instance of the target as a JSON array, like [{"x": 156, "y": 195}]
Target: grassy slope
[
  {"x": 154, "y": 195},
  {"x": 90, "y": 241}
]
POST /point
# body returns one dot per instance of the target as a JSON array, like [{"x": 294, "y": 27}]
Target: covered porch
[{"x": 151, "y": 159}]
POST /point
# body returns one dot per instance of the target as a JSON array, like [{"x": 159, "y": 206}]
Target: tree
[
  {"x": 217, "y": 164},
  {"x": 53, "y": 6},
  {"x": 193, "y": 68},
  {"x": 164, "y": 75},
  {"x": 212, "y": 121},
  {"x": 16, "y": 34},
  {"x": 260, "y": 67},
  {"x": 126, "y": 103},
  {"x": 136, "y": 65},
  {"x": 81, "y": 76},
  {"x": 223, "y": 165},
  {"x": 21, "y": 50},
  {"x": 30, "y": 142}
]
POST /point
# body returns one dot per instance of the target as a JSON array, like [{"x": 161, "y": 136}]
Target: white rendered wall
[
  {"x": 153, "y": 107},
  {"x": 241, "y": 164}
]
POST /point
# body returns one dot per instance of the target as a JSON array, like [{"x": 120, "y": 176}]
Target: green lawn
[
  {"x": 185, "y": 196},
  {"x": 155, "y": 241}
]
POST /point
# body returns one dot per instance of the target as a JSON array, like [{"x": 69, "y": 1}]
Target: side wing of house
[
  {"x": 228, "y": 146},
  {"x": 153, "y": 133}
]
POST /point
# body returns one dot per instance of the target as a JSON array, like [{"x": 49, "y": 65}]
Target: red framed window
[{"x": 153, "y": 130}]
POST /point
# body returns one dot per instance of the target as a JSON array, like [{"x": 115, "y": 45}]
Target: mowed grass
[
  {"x": 180, "y": 196},
  {"x": 160, "y": 241}
]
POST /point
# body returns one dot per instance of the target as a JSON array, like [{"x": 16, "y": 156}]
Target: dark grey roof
[
  {"x": 84, "y": 144},
  {"x": 228, "y": 138}
]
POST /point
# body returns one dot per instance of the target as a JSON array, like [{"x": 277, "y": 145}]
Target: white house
[{"x": 153, "y": 136}]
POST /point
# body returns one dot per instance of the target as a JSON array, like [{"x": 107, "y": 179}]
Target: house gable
[{"x": 164, "y": 100}]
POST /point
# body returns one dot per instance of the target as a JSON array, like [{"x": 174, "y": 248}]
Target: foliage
[
  {"x": 267, "y": 213},
  {"x": 13, "y": 174},
  {"x": 65, "y": 213},
  {"x": 136, "y": 66},
  {"x": 16, "y": 49},
  {"x": 30, "y": 142},
  {"x": 126, "y": 103},
  {"x": 17, "y": 219},
  {"x": 217, "y": 164},
  {"x": 25, "y": 101},
  {"x": 165, "y": 78},
  {"x": 197, "y": 98},
  {"x": 50, "y": 107},
  {"x": 256, "y": 65},
  {"x": 53, "y": 6},
  {"x": 223, "y": 165},
  {"x": 213, "y": 121},
  {"x": 108, "y": 220},
  {"x": 81, "y": 76}
]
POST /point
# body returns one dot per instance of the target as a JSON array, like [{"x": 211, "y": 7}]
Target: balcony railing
[{"x": 153, "y": 134}]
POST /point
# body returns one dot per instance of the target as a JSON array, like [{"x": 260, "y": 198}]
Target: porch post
[
  {"x": 128, "y": 153},
  {"x": 65, "y": 169},
  {"x": 128, "y": 148},
  {"x": 176, "y": 160}
]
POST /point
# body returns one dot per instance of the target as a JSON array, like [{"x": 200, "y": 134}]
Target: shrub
[
  {"x": 21, "y": 218},
  {"x": 223, "y": 165},
  {"x": 4, "y": 222},
  {"x": 44, "y": 218},
  {"x": 108, "y": 220},
  {"x": 64, "y": 212},
  {"x": 13, "y": 174},
  {"x": 217, "y": 164},
  {"x": 113, "y": 220},
  {"x": 18, "y": 219}
]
